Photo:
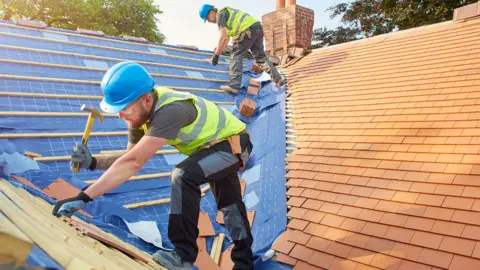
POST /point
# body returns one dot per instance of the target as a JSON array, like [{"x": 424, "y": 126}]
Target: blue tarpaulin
[{"x": 264, "y": 175}]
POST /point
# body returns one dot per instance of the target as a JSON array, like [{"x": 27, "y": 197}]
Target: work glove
[
  {"x": 81, "y": 154},
  {"x": 214, "y": 60},
  {"x": 69, "y": 206}
]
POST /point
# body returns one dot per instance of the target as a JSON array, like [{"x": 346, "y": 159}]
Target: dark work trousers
[
  {"x": 255, "y": 45},
  {"x": 218, "y": 166}
]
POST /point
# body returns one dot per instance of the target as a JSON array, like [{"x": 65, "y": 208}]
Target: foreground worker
[
  {"x": 216, "y": 142},
  {"x": 247, "y": 34}
]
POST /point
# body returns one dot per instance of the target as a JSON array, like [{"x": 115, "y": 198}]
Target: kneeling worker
[
  {"x": 217, "y": 145},
  {"x": 247, "y": 34}
]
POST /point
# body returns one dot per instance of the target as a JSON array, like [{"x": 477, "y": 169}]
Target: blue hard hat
[
  {"x": 204, "y": 11},
  {"x": 123, "y": 83}
]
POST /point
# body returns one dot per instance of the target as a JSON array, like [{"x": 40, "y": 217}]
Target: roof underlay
[
  {"x": 45, "y": 77},
  {"x": 386, "y": 168}
]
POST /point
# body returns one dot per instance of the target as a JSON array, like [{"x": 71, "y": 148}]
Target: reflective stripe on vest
[
  {"x": 212, "y": 122},
  {"x": 238, "y": 21}
]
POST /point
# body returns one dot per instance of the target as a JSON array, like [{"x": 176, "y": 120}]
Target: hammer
[{"x": 93, "y": 113}]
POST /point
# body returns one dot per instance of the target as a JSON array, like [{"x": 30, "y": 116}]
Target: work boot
[
  {"x": 280, "y": 83},
  {"x": 229, "y": 89},
  {"x": 171, "y": 260}
]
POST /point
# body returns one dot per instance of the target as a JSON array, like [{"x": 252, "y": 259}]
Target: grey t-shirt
[
  {"x": 222, "y": 17},
  {"x": 167, "y": 121}
]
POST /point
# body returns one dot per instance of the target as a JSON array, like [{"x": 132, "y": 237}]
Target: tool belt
[
  {"x": 238, "y": 38},
  {"x": 235, "y": 145}
]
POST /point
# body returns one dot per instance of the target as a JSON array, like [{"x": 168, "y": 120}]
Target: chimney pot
[
  {"x": 280, "y": 4},
  {"x": 291, "y": 2}
]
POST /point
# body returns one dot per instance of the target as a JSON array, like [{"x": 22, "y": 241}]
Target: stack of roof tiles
[{"x": 386, "y": 171}]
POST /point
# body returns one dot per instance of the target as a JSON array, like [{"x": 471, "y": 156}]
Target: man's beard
[{"x": 142, "y": 119}]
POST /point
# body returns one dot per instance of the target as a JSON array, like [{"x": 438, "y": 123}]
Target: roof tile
[
  {"x": 341, "y": 264},
  {"x": 355, "y": 239},
  {"x": 312, "y": 204},
  {"x": 332, "y": 220},
  {"x": 371, "y": 215},
  {"x": 438, "y": 213},
  {"x": 458, "y": 203},
  {"x": 339, "y": 249},
  {"x": 361, "y": 255},
  {"x": 350, "y": 211},
  {"x": 421, "y": 224},
  {"x": 458, "y": 246},
  {"x": 321, "y": 259},
  {"x": 316, "y": 229},
  {"x": 353, "y": 225},
  {"x": 394, "y": 219},
  {"x": 298, "y": 224},
  {"x": 314, "y": 216},
  {"x": 318, "y": 243},
  {"x": 435, "y": 258},
  {"x": 406, "y": 251},
  {"x": 296, "y": 201},
  {"x": 399, "y": 234},
  {"x": 407, "y": 265},
  {"x": 301, "y": 253},
  {"x": 386, "y": 262},
  {"x": 296, "y": 212},
  {"x": 471, "y": 232},
  {"x": 461, "y": 263},
  {"x": 282, "y": 258}
]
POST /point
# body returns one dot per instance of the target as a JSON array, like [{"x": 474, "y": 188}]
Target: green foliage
[
  {"x": 114, "y": 17},
  {"x": 367, "y": 18}
]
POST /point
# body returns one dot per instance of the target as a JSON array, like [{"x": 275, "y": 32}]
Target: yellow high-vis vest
[
  {"x": 238, "y": 21},
  {"x": 212, "y": 122}
]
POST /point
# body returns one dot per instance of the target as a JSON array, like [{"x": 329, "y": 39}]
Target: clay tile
[
  {"x": 60, "y": 190},
  {"x": 205, "y": 225},
  {"x": 204, "y": 261}
]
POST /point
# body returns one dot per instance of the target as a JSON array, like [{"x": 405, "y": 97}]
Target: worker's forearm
[
  {"x": 104, "y": 162},
  {"x": 117, "y": 174},
  {"x": 222, "y": 43}
]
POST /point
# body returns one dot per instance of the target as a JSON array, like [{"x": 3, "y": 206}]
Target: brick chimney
[
  {"x": 288, "y": 29},
  {"x": 467, "y": 12}
]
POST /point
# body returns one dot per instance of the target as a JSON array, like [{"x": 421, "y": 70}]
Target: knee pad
[
  {"x": 176, "y": 198},
  {"x": 234, "y": 222}
]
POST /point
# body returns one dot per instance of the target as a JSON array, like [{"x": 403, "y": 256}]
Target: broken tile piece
[
  {"x": 205, "y": 225},
  {"x": 226, "y": 262},
  {"x": 205, "y": 262},
  {"x": 61, "y": 189}
]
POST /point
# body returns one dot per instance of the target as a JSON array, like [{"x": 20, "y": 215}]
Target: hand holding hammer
[{"x": 93, "y": 113}]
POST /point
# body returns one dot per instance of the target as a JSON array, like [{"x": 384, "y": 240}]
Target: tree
[
  {"x": 375, "y": 17},
  {"x": 114, "y": 17}
]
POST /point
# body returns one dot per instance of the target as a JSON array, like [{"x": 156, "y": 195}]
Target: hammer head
[{"x": 93, "y": 112}]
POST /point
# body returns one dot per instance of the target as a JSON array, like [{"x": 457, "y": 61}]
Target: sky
[{"x": 181, "y": 23}]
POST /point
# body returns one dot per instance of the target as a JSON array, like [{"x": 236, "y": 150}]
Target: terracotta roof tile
[
  {"x": 320, "y": 244},
  {"x": 316, "y": 229},
  {"x": 387, "y": 159},
  {"x": 304, "y": 266},
  {"x": 386, "y": 262},
  {"x": 340, "y": 264},
  {"x": 301, "y": 252},
  {"x": 339, "y": 249},
  {"x": 407, "y": 265},
  {"x": 312, "y": 204},
  {"x": 399, "y": 234},
  {"x": 435, "y": 258},
  {"x": 322, "y": 260},
  {"x": 421, "y": 224},
  {"x": 282, "y": 258}
]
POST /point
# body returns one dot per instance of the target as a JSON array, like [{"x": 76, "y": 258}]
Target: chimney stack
[
  {"x": 288, "y": 30},
  {"x": 280, "y": 4},
  {"x": 466, "y": 12}
]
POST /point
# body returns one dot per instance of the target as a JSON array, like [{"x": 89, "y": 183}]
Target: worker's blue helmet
[
  {"x": 123, "y": 83},
  {"x": 204, "y": 11}
]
